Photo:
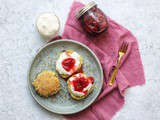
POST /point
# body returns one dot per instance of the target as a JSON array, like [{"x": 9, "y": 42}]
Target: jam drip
[
  {"x": 68, "y": 64},
  {"x": 91, "y": 79},
  {"x": 80, "y": 70}
]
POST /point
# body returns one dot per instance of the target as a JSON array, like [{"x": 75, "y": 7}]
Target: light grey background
[{"x": 19, "y": 41}]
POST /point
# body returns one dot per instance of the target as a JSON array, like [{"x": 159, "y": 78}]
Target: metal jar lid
[{"x": 85, "y": 9}]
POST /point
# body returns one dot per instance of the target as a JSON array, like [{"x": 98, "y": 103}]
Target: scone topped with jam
[
  {"x": 80, "y": 85},
  {"x": 68, "y": 63},
  {"x": 46, "y": 83}
]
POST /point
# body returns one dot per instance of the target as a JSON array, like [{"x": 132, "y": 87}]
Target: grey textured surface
[{"x": 19, "y": 41}]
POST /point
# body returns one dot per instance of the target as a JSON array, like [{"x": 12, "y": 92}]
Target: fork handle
[{"x": 113, "y": 76}]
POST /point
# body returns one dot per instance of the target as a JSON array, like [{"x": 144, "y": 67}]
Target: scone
[
  {"x": 80, "y": 85},
  {"x": 68, "y": 63},
  {"x": 46, "y": 83}
]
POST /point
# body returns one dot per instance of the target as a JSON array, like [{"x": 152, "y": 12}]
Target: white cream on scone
[
  {"x": 80, "y": 94},
  {"x": 77, "y": 93},
  {"x": 62, "y": 57}
]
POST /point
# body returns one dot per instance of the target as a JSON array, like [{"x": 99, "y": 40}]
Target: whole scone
[
  {"x": 80, "y": 85},
  {"x": 46, "y": 83},
  {"x": 68, "y": 63}
]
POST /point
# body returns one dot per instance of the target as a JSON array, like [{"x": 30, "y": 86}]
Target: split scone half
[
  {"x": 68, "y": 63},
  {"x": 46, "y": 83},
  {"x": 80, "y": 85}
]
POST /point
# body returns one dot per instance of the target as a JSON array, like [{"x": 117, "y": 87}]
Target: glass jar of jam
[{"x": 93, "y": 20}]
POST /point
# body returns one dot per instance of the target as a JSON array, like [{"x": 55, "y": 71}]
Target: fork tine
[
  {"x": 126, "y": 47},
  {"x": 122, "y": 46}
]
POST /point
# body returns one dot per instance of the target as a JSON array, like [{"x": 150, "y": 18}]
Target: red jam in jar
[{"x": 93, "y": 20}]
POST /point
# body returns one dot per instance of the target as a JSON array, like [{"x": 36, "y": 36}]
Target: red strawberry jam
[
  {"x": 93, "y": 20},
  {"x": 82, "y": 82},
  {"x": 91, "y": 79},
  {"x": 68, "y": 64}
]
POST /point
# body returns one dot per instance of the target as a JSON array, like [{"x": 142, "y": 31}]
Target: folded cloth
[{"x": 106, "y": 47}]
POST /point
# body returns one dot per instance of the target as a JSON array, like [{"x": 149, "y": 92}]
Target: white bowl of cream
[{"x": 48, "y": 24}]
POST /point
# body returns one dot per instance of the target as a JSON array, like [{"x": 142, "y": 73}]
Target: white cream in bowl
[{"x": 48, "y": 24}]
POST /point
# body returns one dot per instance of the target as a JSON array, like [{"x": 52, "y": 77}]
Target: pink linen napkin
[{"x": 106, "y": 47}]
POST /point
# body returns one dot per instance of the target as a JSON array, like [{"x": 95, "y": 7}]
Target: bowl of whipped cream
[{"x": 48, "y": 24}]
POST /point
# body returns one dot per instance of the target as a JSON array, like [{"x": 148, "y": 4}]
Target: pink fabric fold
[{"x": 106, "y": 47}]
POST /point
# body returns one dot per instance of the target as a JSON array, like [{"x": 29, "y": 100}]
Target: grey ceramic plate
[{"x": 45, "y": 59}]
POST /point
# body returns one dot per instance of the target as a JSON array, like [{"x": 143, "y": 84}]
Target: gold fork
[{"x": 122, "y": 51}]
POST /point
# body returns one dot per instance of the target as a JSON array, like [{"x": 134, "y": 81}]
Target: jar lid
[{"x": 85, "y": 9}]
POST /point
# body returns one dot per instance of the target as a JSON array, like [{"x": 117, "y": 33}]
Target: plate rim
[{"x": 31, "y": 63}]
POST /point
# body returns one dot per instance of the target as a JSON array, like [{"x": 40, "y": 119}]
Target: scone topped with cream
[
  {"x": 68, "y": 63},
  {"x": 80, "y": 85}
]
